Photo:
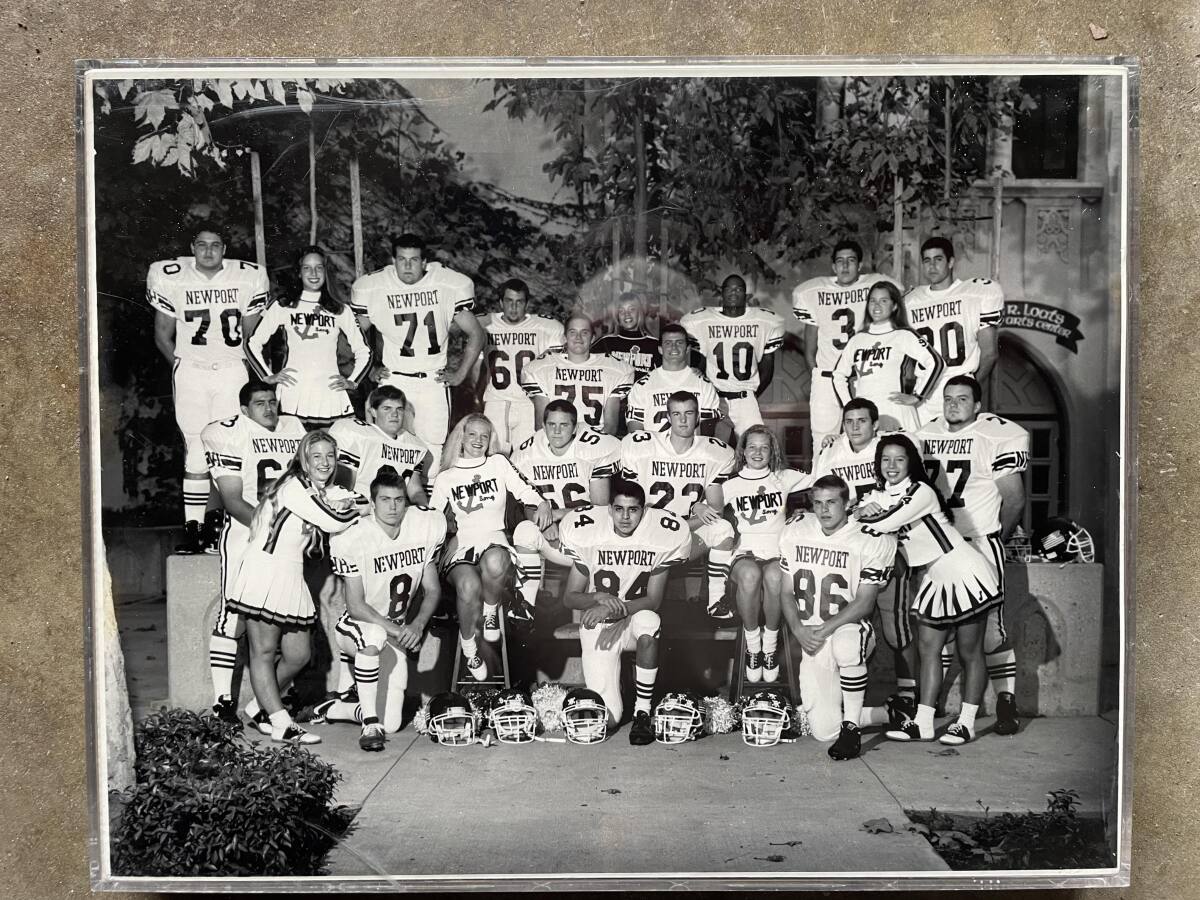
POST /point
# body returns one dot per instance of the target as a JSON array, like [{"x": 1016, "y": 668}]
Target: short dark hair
[
  {"x": 388, "y": 477},
  {"x": 622, "y": 487},
  {"x": 208, "y": 225},
  {"x": 939, "y": 243},
  {"x": 514, "y": 284},
  {"x": 408, "y": 241},
  {"x": 832, "y": 483},
  {"x": 847, "y": 244},
  {"x": 967, "y": 381},
  {"x": 862, "y": 403},
  {"x": 683, "y": 397},
  {"x": 735, "y": 279},
  {"x": 385, "y": 392},
  {"x": 252, "y": 387},
  {"x": 561, "y": 406},
  {"x": 673, "y": 328}
]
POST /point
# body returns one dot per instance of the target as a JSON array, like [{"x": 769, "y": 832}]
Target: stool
[
  {"x": 496, "y": 679},
  {"x": 738, "y": 686}
]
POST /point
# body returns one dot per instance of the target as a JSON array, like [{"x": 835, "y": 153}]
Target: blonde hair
[
  {"x": 452, "y": 449},
  {"x": 775, "y": 460},
  {"x": 296, "y": 469}
]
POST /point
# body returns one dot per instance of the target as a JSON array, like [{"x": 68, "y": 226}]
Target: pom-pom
[
  {"x": 548, "y": 699},
  {"x": 421, "y": 719},
  {"x": 800, "y": 721},
  {"x": 482, "y": 700},
  {"x": 719, "y": 715}
]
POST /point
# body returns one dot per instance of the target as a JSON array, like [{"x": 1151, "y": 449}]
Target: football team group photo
[{"x": 749, "y": 433}]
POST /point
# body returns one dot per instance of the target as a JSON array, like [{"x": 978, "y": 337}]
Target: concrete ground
[{"x": 711, "y": 806}]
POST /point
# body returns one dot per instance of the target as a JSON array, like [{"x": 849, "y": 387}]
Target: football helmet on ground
[
  {"x": 585, "y": 717},
  {"x": 677, "y": 718},
  {"x": 451, "y": 719},
  {"x": 764, "y": 718},
  {"x": 513, "y": 717}
]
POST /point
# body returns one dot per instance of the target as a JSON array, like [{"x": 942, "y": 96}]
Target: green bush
[{"x": 208, "y": 802}]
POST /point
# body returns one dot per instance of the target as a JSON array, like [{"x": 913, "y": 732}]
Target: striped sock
[
  {"x": 195, "y": 497},
  {"x": 529, "y": 576},
  {"x": 907, "y": 687},
  {"x": 718, "y": 574},
  {"x": 1002, "y": 670},
  {"x": 947, "y": 661},
  {"x": 854, "y": 691},
  {"x": 366, "y": 676},
  {"x": 222, "y": 657},
  {"x": 645, "y": 687},
  {"x": 345, "y": 675}
]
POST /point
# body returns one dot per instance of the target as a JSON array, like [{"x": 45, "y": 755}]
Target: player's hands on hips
[
  {"x": 283, "y": 376},
  {"x": 704, "y": 513},
  {"x": 543, "y": 517},
  {"x": 341, "y": 383},
  {"x": 807, "y": 635},
  {"x": 905, "y": 399},
  {"x": 611, "y": 634}
]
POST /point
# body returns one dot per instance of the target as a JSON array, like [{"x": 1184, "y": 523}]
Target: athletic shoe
[
  {"x": 770, "y": 664},
  {"x": 1006, "y": 714},
  {"x": 477, "y": 668},
  {"x": 956, "y": 734},
  {"x": 226, "y": 710},
  {"x": 193, "y": 539},
  {"x": 641, "y": 731},
  {"x": 754, "y": 667},
  {"x": 210, "y": 532},
  {"x": 372, "y": 738},
  {"x": 262, "y": 722},
  {"x": 294, "y": 734},
  {"x": 909, "y": 731},
  {"x": 491, "y": 627},
  {"x": 316, "y": 713},
  {"x": 720, "y": 611},
  {"x": 900, "y": 708},
  {"x": 848, "y": 744},
  {"x": 519, "y": 611},
  {"x": 350, "y": 695}
]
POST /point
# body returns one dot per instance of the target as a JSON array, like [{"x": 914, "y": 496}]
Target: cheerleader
[
  {"x": 291, "y": 520},
  {"x": 311, "y": 385},
  {"x": 473, "y": 487},
  {"x": 956, "y": 585},
  {"x": 889, "y": 363},
  {"x": 757, "y": 498}
]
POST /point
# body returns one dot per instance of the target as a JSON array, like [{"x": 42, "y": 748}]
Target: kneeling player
[
  {"x": 833, "y": 571},
  {"x": 621, "y": 554},
  {"x": 385, "y": 559}
]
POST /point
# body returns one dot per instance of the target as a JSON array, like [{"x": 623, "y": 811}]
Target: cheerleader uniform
[
  {"x": 757, "y": 498},
  {"x": 884, "y": 360},
  {"x": 957, "y": 582},
  {"x": 270, "y": 582}
]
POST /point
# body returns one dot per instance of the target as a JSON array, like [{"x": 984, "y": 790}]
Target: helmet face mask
[
  {"x": 513, "y": 718},
  {"x": 1062, "y": 540},
  {"x": 585, "y": 717},
  {"x": 677, "y": 719},
  {"x": 451, "y": 720},
  {"x": 764, "y": 719}
]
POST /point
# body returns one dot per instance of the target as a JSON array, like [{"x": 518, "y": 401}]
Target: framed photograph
[{"x": 609, "y": 474}]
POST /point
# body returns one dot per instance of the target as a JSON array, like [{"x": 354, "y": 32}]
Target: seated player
[
  {"x": 682, "y": 472},
  {"x": 366, "y": 447},
  {"x": 474, "y": 485},
  {"x": 594, "y": 383},
  {"x": 621, "y": 554},
  {"x": 648, "y": 399},
  {"x": 833, "y": 569},
  {"x": 245, "y": 455},
  {"x": 757, "y": 498},
  {"x": 386, "y": 560},
  {"x": 571, "y": 466}
]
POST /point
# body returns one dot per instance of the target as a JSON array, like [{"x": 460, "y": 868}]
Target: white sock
[
  {"x": 253, "y": 708},
  {"x": 854, "y": 691},
  {"x": 754, "y": 642},
  {"x": 718, "y": 574},
  {"x": 645, "y": 679},
  {"x": 966, "y": 715},
  {"x": 195, "y": 497},
  {"x": 366, "y": 676},
  {"x": 1002, "y": 670},
  {"x": 469, "y": 647},
  {"x": 529, "y": 575},
  {"x": 925, "y": 719},
  {"x": 280, "y": 720},
  {"x": 770, "y": 638},
  {"x": 222, "y": 658},
  {"x": 345, "y": 675}
]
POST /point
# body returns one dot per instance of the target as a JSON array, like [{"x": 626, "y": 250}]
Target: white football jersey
[
  {"x": 648, "y": 398},
  {"x": 672, "y": 480},
  {"x": 950, "y": 320},
  {"x": 836, "y": 310},
  {"x": 310, "y": 340},
  {"x": 414, "y": 319},
  {"x": 618, "y": 565},
  {"x": 476, "y": 492},
  {"x": 734, "y": 346},
  {"x": 564, "y": 479},
  {"x": 912, "y": 512},
  {"x": 965, "y": 464},
  {"x": 856, "y": 469},
  {"x": 511, "y": 347},
  {"x": 882, "y": 363},
  {"x": 366, "y": 449},
  {"x": 283, "y": 525},
  {"x": 244, "y": 449},
  {"x": 390, "y": 568},
  {"x": 586, "y": 385},
  {"x": 208, "y": 312},
  {"x": 826, "y": 570},
  {"x": 758, "y": 498}
]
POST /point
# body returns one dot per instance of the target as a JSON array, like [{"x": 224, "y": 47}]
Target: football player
[
  {"x": 365, "y": 448},
  {"x": 245, "y": 455},
  {"x": 386, "y": 560},
  {"x": 571, "y": 466},
  {"x": 201, "y": 305},
  {"x": 682, "y": 472},
  {"x": 515, "y": 337},
  {"x": 621, "y": 554},
  {"x": 648, "y": 399},
  {"x": 412, "y": 303},
  {"x": 833, "y": 570},
  {"x": 738, "y": 344},
  {"x": 595, "y": 384},
  {"x": 831, "y": 307},
  {"x": 977, "y": 462},
  {"x": 630, "y": 343},
  {"x": 959, "y": 319}
]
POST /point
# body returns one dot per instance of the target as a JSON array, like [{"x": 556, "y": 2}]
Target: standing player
[
  {"x": 515, "y": 338},
  {"x": 630, "y": 343},
  {"x": 386, "y": 560},
  {"x": 595, "y": 384},
  {"x": 682, "y": 472},
  {"x": 833, "y": 570},
  {"x": 738, "y": 344},
  {"x": 831, "y": 307},
  {"x": 621, "y": 554},
  {"x": 648, "y": 400},
  {"x": 245, "y": 455},
  {"x": 976, "y": 462},
  {"x": 412, "y": 304},
  {"x": 959, "y": 319},
  {"x": 201, "y": 305},
  {"x": 366, "y": 448},
  {"x": 312, "y": 320},
  {"x": 570, "y": 466}
]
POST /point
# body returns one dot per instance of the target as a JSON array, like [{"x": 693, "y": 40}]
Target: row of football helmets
[{"x": 453, "y": 719}]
